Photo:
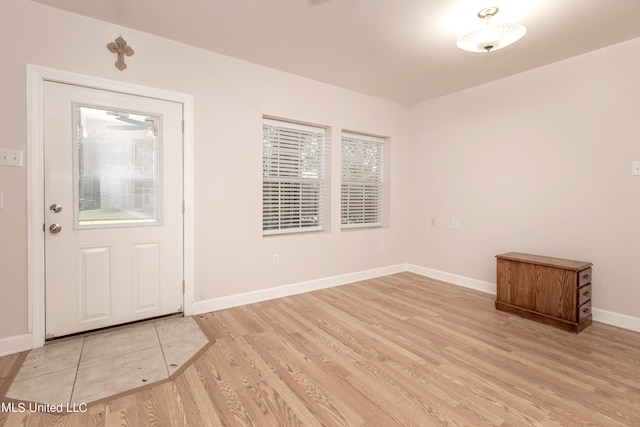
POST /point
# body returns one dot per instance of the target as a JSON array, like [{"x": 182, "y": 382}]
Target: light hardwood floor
[{"x": 398, "y": 350}]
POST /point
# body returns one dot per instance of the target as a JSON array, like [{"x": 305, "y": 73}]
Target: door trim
[{"x": 36, "y": 76}]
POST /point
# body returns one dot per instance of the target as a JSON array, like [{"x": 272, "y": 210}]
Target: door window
[{"x": 117, "y": 158}]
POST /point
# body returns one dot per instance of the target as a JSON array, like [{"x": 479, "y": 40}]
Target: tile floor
[{"x": 88, "y": 368}]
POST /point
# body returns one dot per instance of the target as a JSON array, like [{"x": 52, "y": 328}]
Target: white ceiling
[{"x": 401, "y": 50}]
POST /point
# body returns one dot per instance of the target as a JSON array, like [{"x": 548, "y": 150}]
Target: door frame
[{"x": 36, "y": 76}]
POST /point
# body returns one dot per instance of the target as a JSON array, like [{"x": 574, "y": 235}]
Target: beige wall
[
  {"x": 230, "y": 97},
  {"x": 539, "y": 162}
]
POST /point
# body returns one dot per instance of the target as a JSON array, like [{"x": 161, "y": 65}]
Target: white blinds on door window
[
  {"x": 292, "y": 177},
  {"x": 362, "y": 181}
]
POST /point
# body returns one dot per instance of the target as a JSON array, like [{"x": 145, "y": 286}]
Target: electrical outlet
[
  {"x": 275, "y": 259},
  {"x": 11, "y": 158},
  {"x": 381, "y": 245},
  {"x": 635, "y": 168},
  {"x": 433, "y": 222}
]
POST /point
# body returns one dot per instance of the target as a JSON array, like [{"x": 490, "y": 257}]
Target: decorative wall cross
[{"x": 120, "y": 47}]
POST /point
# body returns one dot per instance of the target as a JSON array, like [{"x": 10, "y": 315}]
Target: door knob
[
  {"x": 55, "y": 228},
  {"x": 55, "y": 208}
]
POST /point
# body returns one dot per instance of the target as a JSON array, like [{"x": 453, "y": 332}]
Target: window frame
[
  {"x": 284, "y": 211},
  {"x": 360, "y": 177}
]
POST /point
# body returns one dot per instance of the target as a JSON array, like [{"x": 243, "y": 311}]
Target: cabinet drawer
[
  {"x": 555, "y": 291},
  {"x": 584, "y": 294},
  {"x": 584, "y": 311},
  {"x": 584, "y": 277}
]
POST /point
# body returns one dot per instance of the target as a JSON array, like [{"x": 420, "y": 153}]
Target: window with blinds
[
  {"x": 292, "y": 177},
  {"x": 362, "y": 181}
]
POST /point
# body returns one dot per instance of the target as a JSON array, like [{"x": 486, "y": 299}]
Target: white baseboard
[
  {"x": 230, "y": 301},
  {"x": 454, "y": 279},
  {"x": 603, "y": 316},
  {"x": 616, "y": 319},
  {"x": 19, "y": 343},
  {"x": 200, "y": 307},
  {"x": 15, "y": 344}
]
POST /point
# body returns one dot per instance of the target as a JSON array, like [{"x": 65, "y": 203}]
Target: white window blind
[
  {"x": 362, "y": 181},
  {"x": 292, "y": 177}
]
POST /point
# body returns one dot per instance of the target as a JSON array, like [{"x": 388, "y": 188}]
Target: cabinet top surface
[{"x": 545, "y": 260}]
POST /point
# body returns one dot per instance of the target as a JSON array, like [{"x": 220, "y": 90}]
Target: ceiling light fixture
[{"x": 491, "y": 36}]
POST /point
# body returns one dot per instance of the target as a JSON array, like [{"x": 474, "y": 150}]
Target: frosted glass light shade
[{"x": 491, "y": 37}]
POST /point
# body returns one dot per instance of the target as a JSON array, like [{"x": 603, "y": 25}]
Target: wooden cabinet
[{"x": 554, "y": 291}]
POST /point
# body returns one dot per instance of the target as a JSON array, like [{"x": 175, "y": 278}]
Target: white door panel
[{"x": 113, "y": 164}]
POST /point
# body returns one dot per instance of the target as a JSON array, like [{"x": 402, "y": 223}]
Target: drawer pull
[
  {"x": 586, "y": 294},
  {"x": 585, "y": 277},
  {"x": 586, "y": 310}
]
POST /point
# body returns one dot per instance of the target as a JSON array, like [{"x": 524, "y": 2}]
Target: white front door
[{"x": 113, "y": 208}]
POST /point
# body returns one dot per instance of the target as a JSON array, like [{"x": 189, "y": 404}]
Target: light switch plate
[
  {"x": 11, "y": 158},
  {"x": 635, "y": 168}
]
